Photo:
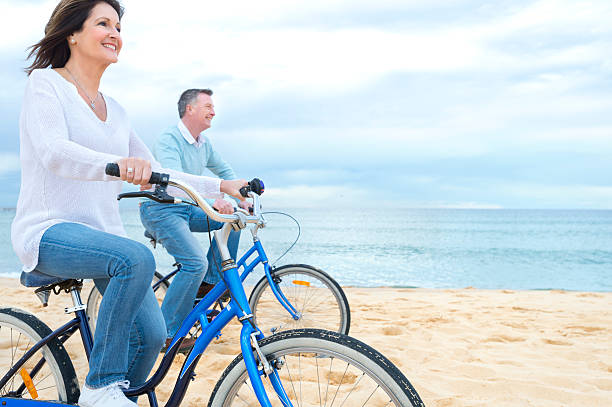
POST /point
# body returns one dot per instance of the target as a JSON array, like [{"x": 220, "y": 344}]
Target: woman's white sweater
[{"x": 64, "y": 150}]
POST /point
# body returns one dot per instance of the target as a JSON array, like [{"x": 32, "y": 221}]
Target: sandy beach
[{"x": 463, "y": 347}]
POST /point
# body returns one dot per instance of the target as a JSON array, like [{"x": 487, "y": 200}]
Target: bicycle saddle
[{"x": 35, "y": 278}]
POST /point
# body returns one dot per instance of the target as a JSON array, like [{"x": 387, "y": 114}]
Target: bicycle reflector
[
  {"x": 29, "y": 384},
  {"x": 300, "y": 282}
]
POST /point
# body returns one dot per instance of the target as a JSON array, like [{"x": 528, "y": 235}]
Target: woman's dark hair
[{"x": 67, "y": 18}]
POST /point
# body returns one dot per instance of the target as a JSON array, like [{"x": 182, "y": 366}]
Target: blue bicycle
[
  {"x": 287, "y": 297},
  {"x": 303, "y": 367}
]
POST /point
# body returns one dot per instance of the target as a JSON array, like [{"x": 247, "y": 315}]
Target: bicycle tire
[
  {"x": 57, "y": 371},
  {"x": 313, "y": 352},
  {"x": 308, "y": 289},
  {"x": 94, "y": 298}
]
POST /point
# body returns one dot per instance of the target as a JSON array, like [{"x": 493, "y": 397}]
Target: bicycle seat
[{"x": 35, "y": 278}]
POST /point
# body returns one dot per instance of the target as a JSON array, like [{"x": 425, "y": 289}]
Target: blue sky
[{"x": 474, "y": 104}]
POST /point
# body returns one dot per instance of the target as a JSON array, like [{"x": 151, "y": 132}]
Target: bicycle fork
[{"x": 262, "y": 367}]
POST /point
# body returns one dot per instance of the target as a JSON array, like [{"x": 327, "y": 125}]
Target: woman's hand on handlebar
[
  {"x": 135, "y": 170},
  {"x": 232, "y": 187}
]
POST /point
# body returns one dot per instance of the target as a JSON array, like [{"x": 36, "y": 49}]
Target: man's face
[{"x": 203, "y": 110}]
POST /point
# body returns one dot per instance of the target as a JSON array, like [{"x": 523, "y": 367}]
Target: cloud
[
  {"x": 565, "y": 196},
  {"x": 24, "y": 22},
  {"x": 458, "y": 103},
  {"x": 308, "y": 196},
  {"x": 463, "y": 205},
  {"x": 9, "y": 163}
]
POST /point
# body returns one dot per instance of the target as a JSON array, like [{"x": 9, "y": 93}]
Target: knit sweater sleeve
[
  {"x": 46, "y": 125},
  {"x": 208, "y": 187}
]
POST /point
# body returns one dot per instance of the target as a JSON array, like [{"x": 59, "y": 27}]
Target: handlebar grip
[
  {"x": 255, "y": 185},
  {"x": 112, "y": 169},
  {"x": 158, "y": 178}
]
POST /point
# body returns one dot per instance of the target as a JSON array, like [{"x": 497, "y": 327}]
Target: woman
[{"x": 67, "y": 222}]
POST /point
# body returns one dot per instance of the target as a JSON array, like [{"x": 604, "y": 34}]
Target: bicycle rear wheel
[
  {"x": 56, "y": 379},
  {"x": 318, "y": 298},
  {"x": 94, "y": 298},
  {"x": 319, "y": 368}
]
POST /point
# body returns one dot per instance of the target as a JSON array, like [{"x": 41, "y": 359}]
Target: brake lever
[{"x": 160, "y": 195}]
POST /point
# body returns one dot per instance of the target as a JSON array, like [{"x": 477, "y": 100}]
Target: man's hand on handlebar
[
  {"x": 224, "y": 207},
  {"x": 135, "y": 170},
  {"x": 246, "y": 205},
  {"x": 232, "y": 187}
]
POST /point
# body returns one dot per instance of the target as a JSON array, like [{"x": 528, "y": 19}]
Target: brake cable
[{"x": 299, "y": 233}]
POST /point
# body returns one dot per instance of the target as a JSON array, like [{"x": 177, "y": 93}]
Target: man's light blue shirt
[{"x": 176, "y": 149}]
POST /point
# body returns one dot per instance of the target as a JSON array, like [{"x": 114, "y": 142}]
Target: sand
[{"x": 463, "y": 347}]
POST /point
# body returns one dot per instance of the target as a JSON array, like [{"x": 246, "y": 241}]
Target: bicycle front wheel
[
  {"x": 48, "y": 373},
  {"x": 317, "y": 297},
  {"x": 94, "y": 298},
  {"x": 319, "y": 368}
]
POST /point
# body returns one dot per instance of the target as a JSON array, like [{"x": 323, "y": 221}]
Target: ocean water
[{"x": 433, "y": 248}]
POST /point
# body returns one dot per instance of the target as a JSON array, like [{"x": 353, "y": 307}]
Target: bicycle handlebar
[
  {"x": 253, "y": 190},
  {"x": 156, "y": 177}
]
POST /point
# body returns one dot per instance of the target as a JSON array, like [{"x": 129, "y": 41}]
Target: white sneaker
[{"x": 108, "y": 396}]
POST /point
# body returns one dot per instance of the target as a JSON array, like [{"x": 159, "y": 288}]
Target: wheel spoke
[
  {"x": 290, "y": 378},
  {"x": 339, "y": 384},
  {"x": 318, "y": 380},
  {"x": 241, "y": 399},
  {"x": 300, "y": 371},
  {"x": 368, "y": 399},
  {"x": 351, "y": 392},
  {"x": 331, "y": 362}
]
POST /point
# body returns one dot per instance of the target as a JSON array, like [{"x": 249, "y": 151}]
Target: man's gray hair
[{"x": 189, "y": 97}]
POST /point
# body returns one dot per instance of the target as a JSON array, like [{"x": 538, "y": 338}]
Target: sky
[{"x": 450, "y": 104}]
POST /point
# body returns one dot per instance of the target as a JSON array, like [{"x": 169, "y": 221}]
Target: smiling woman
[
  {"x": 93, "y": 35},
  {"x": 68, "y": 19},
  {"x": 69, "y": 227}
]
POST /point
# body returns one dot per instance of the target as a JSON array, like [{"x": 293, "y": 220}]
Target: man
[{"x": 184, "y": 148}]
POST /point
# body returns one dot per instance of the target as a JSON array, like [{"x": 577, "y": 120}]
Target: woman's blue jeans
[
  {"x": 172, "y": 226},
  {"x": 130, "y": 330}
]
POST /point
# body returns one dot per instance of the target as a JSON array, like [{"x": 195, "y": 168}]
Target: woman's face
[{"x": 100, "y": 37}]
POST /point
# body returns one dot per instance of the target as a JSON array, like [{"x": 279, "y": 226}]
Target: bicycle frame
[
  {"x": 261, "y": 258},
  {"x": 238, "y": 307}
]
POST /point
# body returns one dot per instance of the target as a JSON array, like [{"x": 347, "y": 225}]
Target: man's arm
[{"x": 216, "y": 164}]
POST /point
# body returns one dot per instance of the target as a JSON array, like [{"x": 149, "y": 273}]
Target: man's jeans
[
  {"x": 172, "y": 226},
  {"x": 130, "y": 329}
]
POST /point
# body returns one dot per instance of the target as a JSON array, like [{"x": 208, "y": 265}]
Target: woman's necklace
[{"x": 92, "y": 102}]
